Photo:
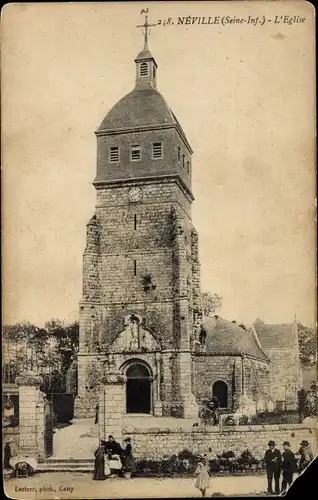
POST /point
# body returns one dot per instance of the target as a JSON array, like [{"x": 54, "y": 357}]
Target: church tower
[{"x": 141, "y": 277}]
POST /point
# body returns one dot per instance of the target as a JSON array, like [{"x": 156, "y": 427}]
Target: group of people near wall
[
  {"x": 277, "y": 464},
  {"x": 285, "y": 464},
  {"x": 112, "y": 457}
]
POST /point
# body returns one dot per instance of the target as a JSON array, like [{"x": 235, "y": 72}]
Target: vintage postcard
[{"x": 158, "y": 173}]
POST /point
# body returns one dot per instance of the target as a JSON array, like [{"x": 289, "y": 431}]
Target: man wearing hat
[
  {"x": 289, "y": 466},
  {"x": 272, "y": 461},
  {"x": 306, "y": 455}
]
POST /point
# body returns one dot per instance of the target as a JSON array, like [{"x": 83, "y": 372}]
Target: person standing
[
  {"x": 301, "y": 404},
  {"x": 7, "y": 456},
  {"x": 127, "y": 456},
  {"x": 289, "y": 466},
  {"x": 99, "y": 465},
  {"x": 272, "y": 460},
  {"x": 306, "y": 455},
  {"x": 202, "y": 481}
]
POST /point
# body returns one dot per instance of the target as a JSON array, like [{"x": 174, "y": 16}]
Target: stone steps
[{"x": 66, "y": 465}]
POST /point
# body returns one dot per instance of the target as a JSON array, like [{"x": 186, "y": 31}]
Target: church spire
[{"x": 146, "y": 67}]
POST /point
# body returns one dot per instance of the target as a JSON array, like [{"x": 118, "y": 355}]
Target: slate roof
[
  {"x": 144, "y": 54},
  {"x": 227, "y": 338},
  {"x": 139, "y": 108},
  {"x": 274, "y": 336}
]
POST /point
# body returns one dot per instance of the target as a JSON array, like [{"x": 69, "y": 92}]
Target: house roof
[
  {"x": 227, "y": 338},
  {"x": 274, "y": 336}
]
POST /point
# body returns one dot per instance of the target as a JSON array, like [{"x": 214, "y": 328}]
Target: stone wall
[
  {"x": 209, "y": 369},
  {"x": 125, "y": 243},
  {"x": 32, "y": 416},
  {"x": 111, "y": 406},
  {"x": 158, "y": 443},
  {"x": 257, "y": 379},
  {"x": 284, "y": 375},
  {"x": 147, "y": 166},
  {"x": 85, "y": 406}
]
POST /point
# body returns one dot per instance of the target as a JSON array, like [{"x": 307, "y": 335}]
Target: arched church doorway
[
  {"x": 138, "y": 389},
  {"x": 220, "y": 391}
]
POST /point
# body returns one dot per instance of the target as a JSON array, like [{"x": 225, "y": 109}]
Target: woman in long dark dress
[{"x": 99, "y": 466}]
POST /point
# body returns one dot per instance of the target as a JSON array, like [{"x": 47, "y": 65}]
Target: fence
[{"x": 63, "y": 406}]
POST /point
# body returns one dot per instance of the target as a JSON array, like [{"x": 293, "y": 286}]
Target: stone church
[{"x": 140, "y": 312}]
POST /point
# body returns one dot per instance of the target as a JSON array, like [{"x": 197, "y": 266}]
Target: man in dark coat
[
  {"x": 272, "y": 461},
  {"x": 289, "y": 466}
]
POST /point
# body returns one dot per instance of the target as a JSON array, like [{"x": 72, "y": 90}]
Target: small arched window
[{"x": 143, "y": 69}]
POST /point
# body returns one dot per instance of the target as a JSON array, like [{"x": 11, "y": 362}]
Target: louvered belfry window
[
  {"x": 157, "y": 150},
  {"x": 114, "y": 154},
  {"x": 135, "y": 153},
  {"x": 144, "y": 69}
]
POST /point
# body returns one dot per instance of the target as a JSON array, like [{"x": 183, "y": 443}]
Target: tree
[
  {"x": 307, "y": 339},
  {"x": 49, "y": 351},
  {"x": 66, "y": 338},
  {"x": 211, "y": 302},
  {"x": 24, "y": 345}
]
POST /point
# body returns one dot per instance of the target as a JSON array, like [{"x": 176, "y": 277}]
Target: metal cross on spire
[{"x": 145, "y": 26}]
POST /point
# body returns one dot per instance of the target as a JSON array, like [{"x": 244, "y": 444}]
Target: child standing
[{"x": 202, "y": 481}]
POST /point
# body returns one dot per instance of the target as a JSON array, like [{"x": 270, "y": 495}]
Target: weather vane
[{"x": 146, "y": 26}]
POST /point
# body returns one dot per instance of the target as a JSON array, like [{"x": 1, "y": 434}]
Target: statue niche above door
[{"x": 134, "y": 338}]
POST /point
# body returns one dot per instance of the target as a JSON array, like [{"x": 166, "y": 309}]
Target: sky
[{"x": 244, "y": 96}]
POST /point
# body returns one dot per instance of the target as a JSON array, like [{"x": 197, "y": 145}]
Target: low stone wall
[{"x": 158, "y": 443}]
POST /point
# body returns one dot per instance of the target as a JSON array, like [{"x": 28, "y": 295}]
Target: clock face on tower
[{"x": 135, "y": 194}]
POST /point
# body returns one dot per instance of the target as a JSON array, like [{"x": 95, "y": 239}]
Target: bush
[
  {"x": 244, "y": 420},
  {"x": 214, "y": 465},
  {"x": 186, "y": 454},
  {"x": 184, "y": 462},
  {"x": 229, "y": 420}
]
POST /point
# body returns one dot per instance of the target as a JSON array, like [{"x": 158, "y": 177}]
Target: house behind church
[{"x": 281, "y": 345}]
